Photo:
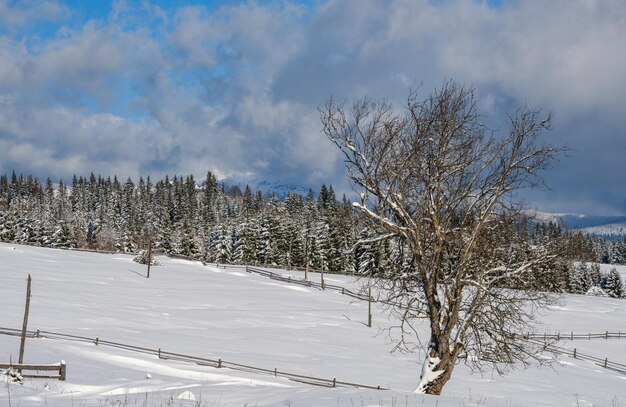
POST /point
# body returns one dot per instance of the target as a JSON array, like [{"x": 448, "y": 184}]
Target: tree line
[
  {"x": 208, "y": 221},
  {"x": 181, "y": 216}
]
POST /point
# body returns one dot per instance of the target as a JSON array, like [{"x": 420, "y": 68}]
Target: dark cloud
[{"x": 234, "y": 90}]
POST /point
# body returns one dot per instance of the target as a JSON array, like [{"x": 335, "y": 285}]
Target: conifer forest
[{"x": 208, "y": 221}]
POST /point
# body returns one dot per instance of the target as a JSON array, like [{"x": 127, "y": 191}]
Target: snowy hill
[
  {"x": 189, "y": 308},
  {"x": 268, "y": 188},
  {"x": 281, "y": 190},
  {"x": 612, "y": 227}
]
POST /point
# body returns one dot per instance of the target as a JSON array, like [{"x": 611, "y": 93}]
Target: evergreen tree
[
  {"x": 613, "y": 284},
  {"x": 238, "y": 244},
  {"x": 224, "y": 245},
  {"x": 188, "y": 245},
  {"x": 62, "y": 236},
  {"x": 249, "y": 241}
]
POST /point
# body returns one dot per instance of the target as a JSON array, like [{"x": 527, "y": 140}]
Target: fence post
[
  {"x": 606, "y": 335},
  {"x": 275, "y": 372},
  {"x": 159, "y": 354},
  {"x": 219, "y": 362},
  {"x": 149, "y": 256},
  {"x": 96, "y": 341},
  {"x": 369, "y": 307},
  {"x": 574, "y": 353},
  {"x": 334, "y": 382},
  {"x": 37, "y": 334},
  {"x": 606, "y": 360},
  {"x": 23, "y": 338},
  {"x": 558, "y": 336},
  {"x": 572, "y": 337},
  {"x": 589, "y": 335},
  {"x": 62, "y": 371}
]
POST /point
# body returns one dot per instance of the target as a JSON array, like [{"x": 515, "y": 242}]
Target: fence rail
[
  {"x": 559, "y": 336},
  {"x": 202, "y": 361},
  {"x": 320, "y": 286},
  {"x": 605, "y": 363},
  {"x": 61, "y": 368},
  {"x": 538, "y": 338}
]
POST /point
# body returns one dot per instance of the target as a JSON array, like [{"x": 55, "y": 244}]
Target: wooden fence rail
[
  {"x": 559, "y": 336},
  {"x": 530, "y": 336},
  {"x": 218, "y": 363},
  {"x": 605, "y": 363},
  {"x": 61, "y": 368},
  {"x": 296, "y": 280}
]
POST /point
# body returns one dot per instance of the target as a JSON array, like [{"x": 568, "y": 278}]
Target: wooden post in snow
[
  {"x": 26, "y": 309},
  {"x": 369, "y": 307},
  {"x": 149, "y": 255}
]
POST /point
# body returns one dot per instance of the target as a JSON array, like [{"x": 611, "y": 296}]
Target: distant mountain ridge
[
  {"x": 611, "y": 227},
  {"x": 267, "y": 188}
]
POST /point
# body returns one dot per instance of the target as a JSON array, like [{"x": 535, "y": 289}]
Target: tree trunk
[{"x": 436, "y": 371}]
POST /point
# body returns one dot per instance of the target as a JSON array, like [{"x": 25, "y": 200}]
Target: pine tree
[
  {"x": 595, "y": 276},
  {"x": 224, "y": 245},
  {"x": 583, "y": 279},
  {"x": 618, "y": 252},
  {"x": 613, "y": 285},
  {"x": 265, "y": 247},
  {"x": 62, "y": 236},
  {"x": 188, "y": 245},
  {"x": 238, "y": 244}
]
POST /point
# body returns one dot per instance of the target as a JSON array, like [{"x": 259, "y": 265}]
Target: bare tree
[{"x": 436, "y": 180}]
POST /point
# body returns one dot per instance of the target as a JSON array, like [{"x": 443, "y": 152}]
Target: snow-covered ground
[{"x": 189, "y": 308}]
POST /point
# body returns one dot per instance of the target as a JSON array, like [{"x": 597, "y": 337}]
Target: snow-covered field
[{"x": 189, "y": 308}]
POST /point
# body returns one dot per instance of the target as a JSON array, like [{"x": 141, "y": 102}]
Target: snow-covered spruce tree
[
  {"x": 595, "y": 275},
  {"x": 613, "y": 285},
  {"x": 580, "y": 279},
  {"x": 188, "y": 246},
  {"x": 62, "y": 236},
  {"x": 7, "y": 226},
  {"x": 250, "y": 234},
  {"x": 435, "y": 178},
  {"x": 238, "y": 244},
  {"x": 224, "y": 245},
  {"x": 142, "y": 258},
  {"x": 618, "y": 252}
]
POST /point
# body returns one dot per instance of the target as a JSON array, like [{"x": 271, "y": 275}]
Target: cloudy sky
[{"x": 181, "y": 87}]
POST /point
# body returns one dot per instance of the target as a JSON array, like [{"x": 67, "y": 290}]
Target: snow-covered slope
[
  {"x": 613, "y": 227},
  {"x": 189, "y": 308},
  {"x": 267, "y": 188}
]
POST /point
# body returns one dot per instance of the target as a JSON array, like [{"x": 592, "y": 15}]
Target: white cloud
[
  {"x": 20, "y": 14},
  {"x": 235, "y": 89}
]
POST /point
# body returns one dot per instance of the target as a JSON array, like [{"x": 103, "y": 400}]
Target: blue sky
[{"x": 148, "y": 88}]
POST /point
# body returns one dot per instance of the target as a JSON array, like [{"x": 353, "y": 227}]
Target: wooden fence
[
  {"x": 541, "y": 339},
  {"x": 203, "y": 361},
  {"x": 307, "y": 283},
  {"x": 560, "y": 336},
  {"x": 605, "y": 363},
  {"x": 61, "y": 368}
]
